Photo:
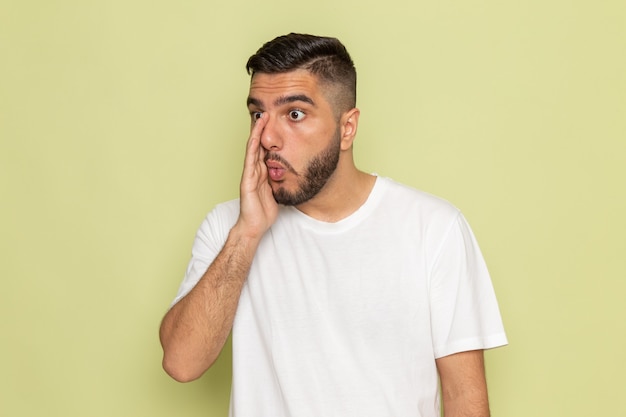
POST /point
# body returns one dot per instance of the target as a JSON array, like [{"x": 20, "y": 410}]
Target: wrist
[{"x": 245, "y": 236}]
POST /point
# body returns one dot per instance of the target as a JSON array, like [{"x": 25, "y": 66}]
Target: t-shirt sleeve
[
  {"x": 464, "y": 310},
  {"x": 208, "y": 242}
]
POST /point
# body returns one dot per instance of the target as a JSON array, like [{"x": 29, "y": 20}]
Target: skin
[
  {"x": 463, "y": 384},
  {"x": 293, "y": 123},
  {"x": 300, "y": 124}
]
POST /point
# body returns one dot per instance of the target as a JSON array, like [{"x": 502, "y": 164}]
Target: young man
[{"x": 347, "y": 294}]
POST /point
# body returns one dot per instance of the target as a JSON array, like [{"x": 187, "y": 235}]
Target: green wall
[{"x": 123, "y": 122}]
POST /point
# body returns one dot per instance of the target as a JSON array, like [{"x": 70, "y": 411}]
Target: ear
[{"x": 349, "y": 123}]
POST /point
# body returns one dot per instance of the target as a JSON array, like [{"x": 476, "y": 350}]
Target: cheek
[
  {"x": 302, "y": 141},
  {"x": 315, "y": 132}
]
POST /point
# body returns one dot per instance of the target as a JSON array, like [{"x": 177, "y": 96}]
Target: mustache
[{"x": 273, "y": 156}]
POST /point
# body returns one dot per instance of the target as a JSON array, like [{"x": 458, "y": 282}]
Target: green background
[{"x": 123, "y": 122}]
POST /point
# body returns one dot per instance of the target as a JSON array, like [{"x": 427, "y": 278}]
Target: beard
[{"x": 316, "y": 174}]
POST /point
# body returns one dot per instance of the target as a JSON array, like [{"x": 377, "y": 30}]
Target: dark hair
[{"x": 324, "y": 57}]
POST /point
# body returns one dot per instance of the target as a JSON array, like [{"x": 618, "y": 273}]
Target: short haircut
[{"x": 324, "y": 57}]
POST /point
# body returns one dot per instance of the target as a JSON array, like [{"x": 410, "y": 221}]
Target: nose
[{"x": 271, "y": 138}]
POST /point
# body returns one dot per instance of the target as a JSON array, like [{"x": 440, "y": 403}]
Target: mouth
[
  {"x": 275, "y": 170},
  {"x": 277, "y": 167}
]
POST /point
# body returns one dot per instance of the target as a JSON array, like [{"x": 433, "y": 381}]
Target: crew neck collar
[{"x": 347, "y": 222}]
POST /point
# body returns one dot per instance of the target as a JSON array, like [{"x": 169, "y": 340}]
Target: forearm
[
  {"x": 463, "y": 385},
  {"x": 194, "y": 331},
  {"x": 466, "y": 406}
]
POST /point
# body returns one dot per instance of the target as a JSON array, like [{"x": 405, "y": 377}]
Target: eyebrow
[{"x": 283, "y": 100}]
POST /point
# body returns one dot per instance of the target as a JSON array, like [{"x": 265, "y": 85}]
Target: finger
[
  {"x": 261, "y": 162},
  {"x": 257, "y": 131},
  {"x": 254, "y": 150}
]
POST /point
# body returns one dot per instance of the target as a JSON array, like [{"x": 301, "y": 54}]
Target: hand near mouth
[{"x": 258, "y": 208}]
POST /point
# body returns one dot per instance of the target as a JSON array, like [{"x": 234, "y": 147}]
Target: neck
[{"x": 343, "y": 194}]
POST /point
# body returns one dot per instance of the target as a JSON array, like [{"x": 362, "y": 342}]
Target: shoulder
[
  {"x": 220, "y": 219},
  {"x": 227, "y": 209},
  {"x": 404, "y": 197}
]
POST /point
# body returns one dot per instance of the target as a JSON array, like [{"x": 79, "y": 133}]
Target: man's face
[{"x": 301, "y": 136}]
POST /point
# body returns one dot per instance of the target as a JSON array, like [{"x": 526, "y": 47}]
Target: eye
[
  {"x": 296, "y": 115},
  {"x": 256, "y": 115}
]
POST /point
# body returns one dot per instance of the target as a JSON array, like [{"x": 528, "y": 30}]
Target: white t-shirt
[{"x": 346, "y": 319}]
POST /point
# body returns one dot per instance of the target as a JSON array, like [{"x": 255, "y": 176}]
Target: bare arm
[
  {"x": 193, "y": 331},
  {"x": 463, "y": 384}
]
